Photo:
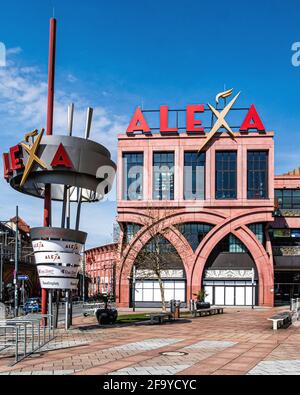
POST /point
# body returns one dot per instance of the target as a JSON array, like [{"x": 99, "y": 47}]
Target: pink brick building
[{"x": 233, "y": 225}]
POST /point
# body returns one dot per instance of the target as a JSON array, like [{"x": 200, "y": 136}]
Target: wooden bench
[
  {"x": 281, "y": 320},
  {"x": 210, "y": 311},
  {"x": 160, "y": 318}
]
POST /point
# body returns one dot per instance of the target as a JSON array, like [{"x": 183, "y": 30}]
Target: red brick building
[
  {"x": 100, "y": 265},
  {"x": 233, "y": 224}
]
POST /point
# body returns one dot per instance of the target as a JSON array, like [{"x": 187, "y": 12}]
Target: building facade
[
  {"x": 100, "y": 265},
  {"x": 26, "y": 264},
  {"x": 226, "y": 222}
]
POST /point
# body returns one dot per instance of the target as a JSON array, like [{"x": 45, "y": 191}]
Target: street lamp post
[
  {"x": 83, "y": 276},
  {"x": 1, "y": 274},
  {"x": 16, "y": 263},
  {"x": 133, "y": 289},
  {"x": 252, "y": 283},
  {"x": 2, "y": 264}
]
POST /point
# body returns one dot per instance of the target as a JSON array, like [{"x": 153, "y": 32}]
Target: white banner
[
  {"x": 58, "y": 258},
  {"x": 56, "y": 246},
  {"x": 57, "y": 271},
  {"x": 146, "y": 273},
  {"x": 58, "y": 283}
]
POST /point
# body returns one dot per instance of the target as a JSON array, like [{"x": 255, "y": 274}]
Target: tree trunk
[{"x": 162, "y": 294}]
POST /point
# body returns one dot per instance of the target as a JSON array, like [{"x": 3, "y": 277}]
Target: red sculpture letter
[
  {"x": 138, "y": 123},
  {"x": 191, "y": 122},
  {"x": 16, "y": 162},
  {"x": 61, "y": 158},
  {"x": 252, "y": 121},
  {"x": 164, "y": 128}
]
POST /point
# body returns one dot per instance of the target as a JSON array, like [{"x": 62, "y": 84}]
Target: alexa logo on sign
[{"x": 252, "y": 120}]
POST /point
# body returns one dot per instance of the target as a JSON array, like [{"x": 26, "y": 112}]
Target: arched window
[
  {"x": 194, "y": 232},
  {"x": 130, "y": 230},
  {"x": 157, "y": 263}
]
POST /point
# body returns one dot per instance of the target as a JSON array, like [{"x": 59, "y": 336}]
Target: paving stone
[
  {"x": 150, "y": 370},
  {"x": 238, "y": 341},
  {"x": 208, "y": 344},
  {"x": 285, "y": 367}
]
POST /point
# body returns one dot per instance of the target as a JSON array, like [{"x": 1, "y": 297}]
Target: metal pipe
[
  {"x": 66, "y": 199},
  {"x": 67, "y": 310},
  {"x": 16, "y": 262},
  {"x": 89, "y": 117},
  {"x": 50, "y": 307},
  {"x": 1, "y": 274},
  {"x": 17, "y": 344},
  {"x": 49, "y": 131},
  {"x": 83, "y": 275},
  {"x": 57, "y": 308},
  {"x": 63, "y": 213}
]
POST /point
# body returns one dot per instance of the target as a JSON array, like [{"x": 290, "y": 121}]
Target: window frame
[
  {"x": 217, "y": 152},
  {"x": 125, "y": 192},
  {"x": 161, "y": 163},
  {"x": 259, "y": 170},
  {"x": 194, "y": 172}
]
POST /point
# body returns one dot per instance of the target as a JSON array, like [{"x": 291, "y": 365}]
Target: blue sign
[
  {"x": 23, "y": 277},
  {"x": 295, "y": 233}
]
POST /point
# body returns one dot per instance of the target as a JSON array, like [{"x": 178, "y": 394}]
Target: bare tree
[{"x": 157, "y": 257}]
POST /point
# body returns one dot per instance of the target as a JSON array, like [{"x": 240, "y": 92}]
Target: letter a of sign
[
  {"x": 252, "y": 121},
  {"x": 138, "y": 123},
  {"x": 61, "y": 158}
]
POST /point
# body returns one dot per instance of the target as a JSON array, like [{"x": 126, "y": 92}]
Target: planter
[
  {"x": 202, "y": 305},
  {"x": 107, "y": 316}
]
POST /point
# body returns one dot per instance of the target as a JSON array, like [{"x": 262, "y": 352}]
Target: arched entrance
[
  {"x": 230, "y": 277},
  {"x": 158, "y": 259}
]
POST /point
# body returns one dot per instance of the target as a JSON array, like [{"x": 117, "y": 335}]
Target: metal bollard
[{"x": 17, "y": 344}]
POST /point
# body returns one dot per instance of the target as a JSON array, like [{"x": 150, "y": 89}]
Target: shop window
[{"x": 288, "y": 198}]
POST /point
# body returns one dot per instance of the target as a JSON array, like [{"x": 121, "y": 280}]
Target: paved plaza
[{"x": 241, "y": 341}]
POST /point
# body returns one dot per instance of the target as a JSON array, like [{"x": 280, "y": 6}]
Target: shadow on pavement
[{"x": 124, "y": 325}]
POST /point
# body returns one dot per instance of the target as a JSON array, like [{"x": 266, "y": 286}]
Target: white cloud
[
  {"x": 13, "y": 51},
  {"x": 71, "y": 78}
]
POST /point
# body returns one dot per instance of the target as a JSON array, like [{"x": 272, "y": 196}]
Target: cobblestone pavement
[
  {"x": 277, "y": 368},
  {"x": 240, "y": 341}
]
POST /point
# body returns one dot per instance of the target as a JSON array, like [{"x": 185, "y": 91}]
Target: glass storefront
[
  {"x": 230, "y": 293},
  {"x": 286, "y": 286}
]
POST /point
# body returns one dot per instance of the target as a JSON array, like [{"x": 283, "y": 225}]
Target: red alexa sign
[{"x": 139, "y": 123}]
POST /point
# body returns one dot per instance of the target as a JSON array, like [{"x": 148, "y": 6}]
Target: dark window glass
[
  {"x": 130, "y": 230},
  {"x": 133, "y": 175},
  {"x": 194, "y": 232},
  {"x": 288, "y": 198},
  {"x": 163, "y": 175},
  {"x": 257, "y": 174},
  {"x": 194, "y": 175},
  {"x": 226, "y": 168},
  {"x": 258, "y": 230},
  {"x": 235, "y": 244}
]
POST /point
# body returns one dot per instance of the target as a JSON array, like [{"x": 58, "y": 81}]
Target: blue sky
[{"x": 114, "y": 55}]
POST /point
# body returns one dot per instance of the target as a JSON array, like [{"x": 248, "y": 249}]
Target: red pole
[{"x": 51, "y": 75}]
